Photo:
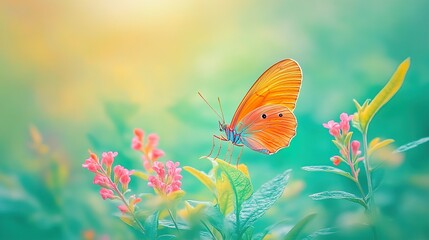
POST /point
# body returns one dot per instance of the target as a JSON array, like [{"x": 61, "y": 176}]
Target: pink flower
[
  {"x": 108, "y": 158},
  {"x": 152, "y": 140},
  {"x": 101, "y": 180},
  {"x": 123, "y": 208},
  {"x": 157, "y": 153},
  {"x": 336, "y": 160},
  {"x": 334, "y": 128},
  {"x": 122, "y": 175},
  {"x": 344, "y": 124},
  {"x": 137, "y": 141},
  {"x": 166, "y": 183},
  {"x": 91, "y": 165},
  {"x": 106, "y": 194},
  {"x": 355, "y": 148},
  {"x": 158, "y": 167},
  {"x": 125, "y": 179}
]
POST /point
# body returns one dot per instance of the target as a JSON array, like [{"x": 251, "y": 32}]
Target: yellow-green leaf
[
  {"x": 202, "y": 177},
  {"x": 367, "y": 112},
  {"x": 376, "y": 144},
  {"x": 140, "y": 174},
  {"x": 225, "y": 194}
]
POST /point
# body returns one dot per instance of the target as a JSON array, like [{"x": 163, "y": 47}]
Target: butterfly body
[{"x": 264, "y": 120}]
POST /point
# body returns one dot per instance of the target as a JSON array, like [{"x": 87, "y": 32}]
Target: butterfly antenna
[
  {"x": 209, "y": 105},
  {"x": 221, "y": 111}
]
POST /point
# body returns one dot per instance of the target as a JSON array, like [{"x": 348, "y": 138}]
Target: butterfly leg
[
  {"x": 213, "y": 145},
  {"x": 239, "y": 155},
  {"x": 218, "y": 152},
  {"x": 231, "y": 153}
]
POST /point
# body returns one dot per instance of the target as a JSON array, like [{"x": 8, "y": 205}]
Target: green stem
[
  {"x": 370, "y": 201},
  {"x": 208, "y": 229},
  {"x": 368, "y": 173},
  {"x": 174, "y": 221},
  {"x": 122, "y": 197}
]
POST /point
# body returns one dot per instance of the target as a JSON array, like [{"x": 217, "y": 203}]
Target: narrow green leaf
[
  {"x": 170, "y": 224},
  {"x": 128, "y": 220},
  {"x": 338, "y": 195},
  {"x": 240, "y": 183},
  {"x": 296, "y": 230},
  {"x": 166, "y": 237},
  {"x": 253, "y": 208},
  {"x": 348, "y": 137},
  {"x": 339, "y": 146},
  {"x": 140, "y": 174},
  {"x": 321, "y": 232},
  {"x": 151, "y": 225},
  {"x": 411, "y": 145},
  {"x": 329, "y": 169}
]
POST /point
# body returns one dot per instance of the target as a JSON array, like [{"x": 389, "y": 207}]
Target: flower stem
[
  {"x": 370, "y": 201},
  {"x": 368, "y": 173},
  {"x": 174, "y": 221},
  {"x": 121, "y": 196}
]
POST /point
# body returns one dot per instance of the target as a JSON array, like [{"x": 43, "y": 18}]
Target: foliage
[{"x": 351, "y": 154}]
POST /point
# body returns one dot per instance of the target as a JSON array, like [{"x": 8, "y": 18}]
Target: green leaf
[
  {"x": 140, "y": 174},
  {"x": 321, "y": 232},
  {"x": 240, "y": 183},
  {"x": 215, "y": 218},
  {"x": 170, "y": 224},
  {"x": 202, "y": 177},
  {"x": 339, "y": 145},
  {"x": 166, "y": 237},
  {"x": 367, "y": 112},
  {"x": 225, "y": 194},
  {"x": 329, "y": 169},
  {"x": 376, "y": 144},
  {"x": 348, "y": 137},
  {"x": 338, "y": 195},
  {"x": 129, "y": 221},
  {"x": 253, "y": 208},
  {"x": 411, "y": 145},
  {"x": 151, "y": 225},
  {"x": 296, "y": 230}
]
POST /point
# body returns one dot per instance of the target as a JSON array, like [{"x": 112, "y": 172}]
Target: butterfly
[{"x": 264, "y": 120}]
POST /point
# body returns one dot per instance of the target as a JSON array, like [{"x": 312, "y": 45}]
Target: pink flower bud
[
  {"x": 123, "y": 208},
  {"x": 108, "y": 158},
  {"x": 334, "y": 128},
  {"x": 355, "y": 148},
  {"x": 91, "y": 165},
  {"x": 336, "y": 160},
  {"x": 139, "y": 133},
  {"x": 158, "y": 167},
  {"x": 157, "y": 153},
  {"x": 136, "y": 144},
  {"x": 345, "y": 122},
  {"x": 106, "y": 194},
  {"x": 153, "y": 140},
  {"x": 166, "y": 183},
  {"x": 101, "y": 180},
  {"x": 124, "y": 180}
]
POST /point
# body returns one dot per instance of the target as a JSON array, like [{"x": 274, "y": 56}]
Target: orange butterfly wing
[
  {"x": 268, "y": 128},
  {"x": 278, "y": 85}
]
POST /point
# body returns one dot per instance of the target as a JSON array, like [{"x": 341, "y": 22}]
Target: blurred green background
[{"x": 84, "y": 74}]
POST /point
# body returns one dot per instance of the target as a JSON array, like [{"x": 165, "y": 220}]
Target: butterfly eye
[
  {"x": 220, "y": 129},
  {"x": 264, "y": 116},
  {"x": 280, "y": 114}
]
